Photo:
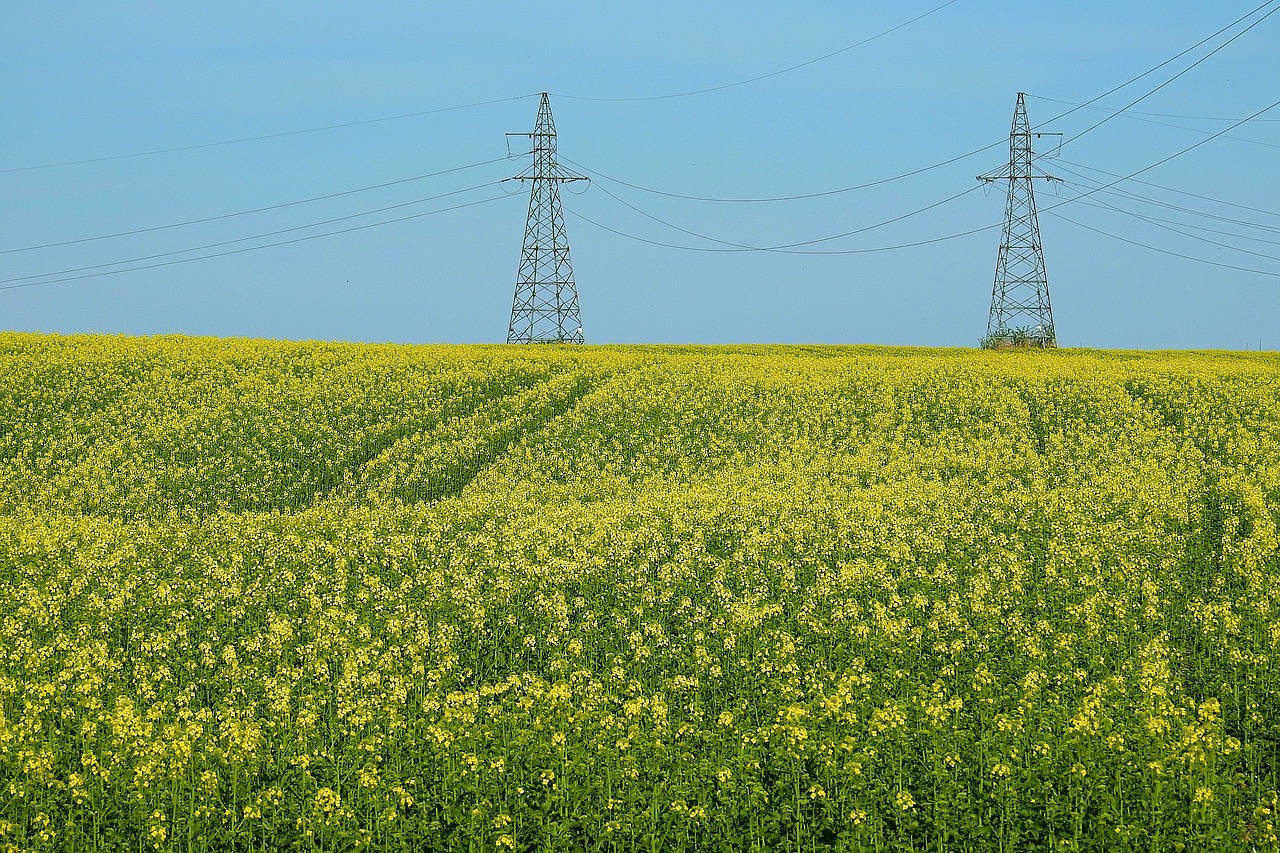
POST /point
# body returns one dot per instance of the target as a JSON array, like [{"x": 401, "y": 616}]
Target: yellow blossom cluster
[{"x": 262, "y": 595}]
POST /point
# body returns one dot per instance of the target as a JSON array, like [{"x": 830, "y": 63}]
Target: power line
[
  {"x": 1155, "y": 68},
  {"x": 1177, "y": 228},
  {"x": 1156, "y": 219},
  {"x": 1179, "y": 192},
  {"x": 256, "y": 248},
  {"x": 1164, "y": 251},
  {"x": 785, "y": 246},
  {"x": 1188, "y": 68},
  {"x": 770, "y": 74},
  {"x": 820, "y": 194},
  {"x": 1132, "y": 196},
  {"x": 1136, "y": 113},
  {"x": 1138, "y": 117},
  {"x": 789, "y": 248},
  {"x": 1170, "y": 157},
  {"x": 781, "y": 251},
  {"x": 950, "y": 160},
  {"x": 263, "y": 136},
  {"x": 253, "y": 210},
  {"x": 419, "y": 113},
  {"x": 337, "y": 126},
  {"x": 735, "y": 247},
  {"x": 254, "y": 236}
]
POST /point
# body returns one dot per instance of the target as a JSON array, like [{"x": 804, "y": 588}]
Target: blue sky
[{"x": 83, "y": 81}]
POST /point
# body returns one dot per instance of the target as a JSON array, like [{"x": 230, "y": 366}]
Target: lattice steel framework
[
  {"x": 545, "y": 307},
  {"x": 1021, "y": 314}
]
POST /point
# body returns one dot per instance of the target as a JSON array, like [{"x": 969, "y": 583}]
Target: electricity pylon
[
  {"x": 545, "y": 308},
  {"x": 1020, "y": 311}
]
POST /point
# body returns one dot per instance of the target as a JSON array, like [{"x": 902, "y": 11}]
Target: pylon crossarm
[{"x": 991, "y": 179}]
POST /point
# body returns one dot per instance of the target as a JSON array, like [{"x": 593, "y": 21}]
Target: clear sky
[{"x": 85, "y": 81}]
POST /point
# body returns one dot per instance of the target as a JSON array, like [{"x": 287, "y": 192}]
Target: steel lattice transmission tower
[
  {"x": 1021, "y": 314},
  {"x": 545, "y": 308}
]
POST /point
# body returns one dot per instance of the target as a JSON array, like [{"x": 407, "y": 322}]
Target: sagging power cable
[
  {"x": 257, "y": 248},
  {"x": 259, "y": 236},
  {"x": 264, "y": 136},
  {"x": 221, "y": 216}
]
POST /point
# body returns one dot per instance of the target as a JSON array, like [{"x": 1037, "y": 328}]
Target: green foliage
[{"x": 1021, "y": 337}]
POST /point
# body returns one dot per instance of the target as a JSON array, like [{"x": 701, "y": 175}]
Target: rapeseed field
[{"x": 308, "y": 596}]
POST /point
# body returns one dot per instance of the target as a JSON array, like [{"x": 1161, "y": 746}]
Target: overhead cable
[
  {"x": 1188, "y": 68},
  {"x": 771, "y": 73},
  {"x": 1147, "y": 200},
  {"x": 785, "y": 246},
  {"x": 1149, "y": 218},
  {"x": 1136, "y": 113},
  {"x": 253, "y": 210},
  {"x": 264, "y": 136},
  {"x": 1156, "y": 68},
  {"x": 1179, "y": 228},
  {"x": 1164, "y": 251},
  {"x": 259, "y": 236},
  {"x": 1179, "y": 192},
  {"x": 255, "y": 248},
  {"x": 820, "y": 194},
  {"x": 948, "y": 161},
  {"x": 710, "y": 249},
  {"x": 1161, "y": 162}
]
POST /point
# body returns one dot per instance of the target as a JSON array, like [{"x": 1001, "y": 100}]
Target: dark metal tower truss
[
  {"x": 1020, "y": 311},
  {"x": 545, "y": 308}
]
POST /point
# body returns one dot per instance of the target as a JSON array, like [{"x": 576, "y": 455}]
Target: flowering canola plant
[{"x": 260, "y": 595}]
